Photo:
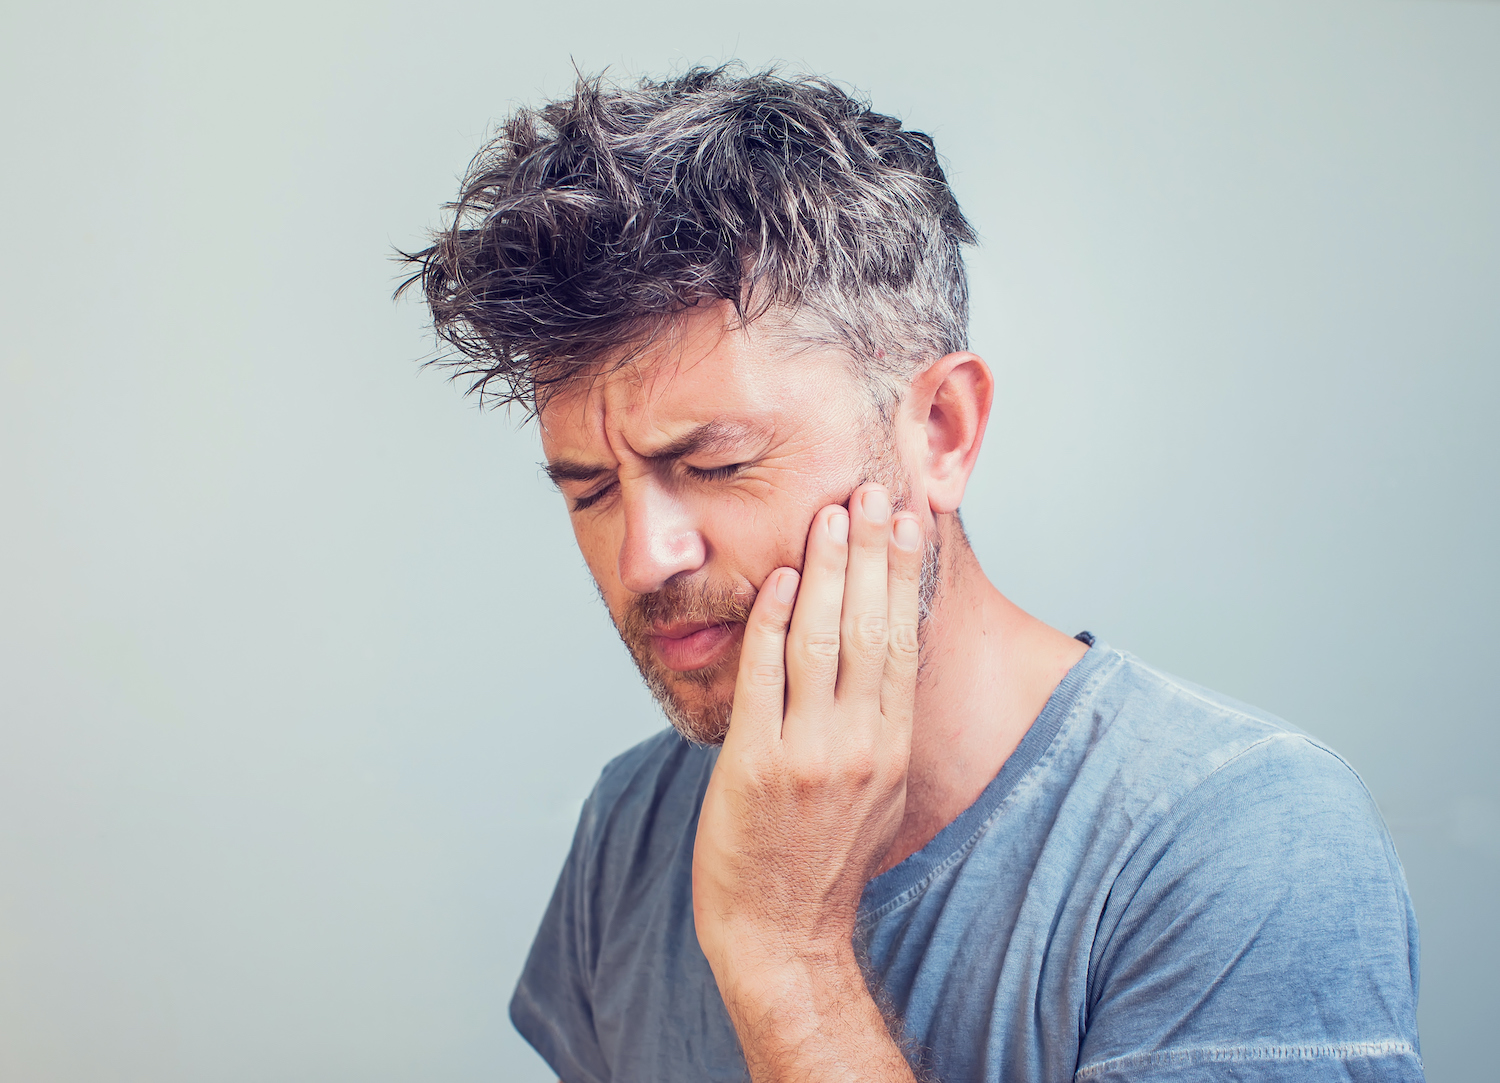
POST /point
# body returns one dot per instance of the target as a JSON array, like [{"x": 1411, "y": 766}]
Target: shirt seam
[
  {"x": 1212, "y": 1054},
  {"x": 1216, "y": 705},
  {"x": 1274, "y": 732}
]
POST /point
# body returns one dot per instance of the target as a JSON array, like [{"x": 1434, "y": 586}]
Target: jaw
[
  {"x": 700, "y": 712},
  {"x": 697, "y": 702}
]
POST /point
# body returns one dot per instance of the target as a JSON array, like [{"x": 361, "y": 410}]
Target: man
[{"x": 912, "y": 833}]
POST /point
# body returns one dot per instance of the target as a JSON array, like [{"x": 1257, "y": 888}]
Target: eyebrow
[
  {"x": 561, "y": 470},
  {"x": 715, "y": 435}
]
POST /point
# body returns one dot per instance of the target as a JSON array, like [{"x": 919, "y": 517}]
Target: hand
[{"x": 810, "y": 785}]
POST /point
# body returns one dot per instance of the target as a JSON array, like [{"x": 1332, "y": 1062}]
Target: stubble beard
[{"x": 698, "y": 703}]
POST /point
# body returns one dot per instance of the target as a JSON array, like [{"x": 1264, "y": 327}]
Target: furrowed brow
[
  {"x": 716, "y": 435},
  {"x": 561, "y": 470}
]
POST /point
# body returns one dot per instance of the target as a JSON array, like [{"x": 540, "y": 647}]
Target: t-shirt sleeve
[
  {"x": 551, "y": 1005},
  {"x": 1261, "y": 932}
]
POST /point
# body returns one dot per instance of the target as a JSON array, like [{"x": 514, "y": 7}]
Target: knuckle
[
  {"x": 903, "y": 640},
  {"x": 869, "y": 632},
  {"x": 820, "y": 649},
  {"x": 813, "y": 776},
  {"x": 764, "y": 675},
  {"x": 861, "y": 766},
  {"x": 772, "y": 624}
]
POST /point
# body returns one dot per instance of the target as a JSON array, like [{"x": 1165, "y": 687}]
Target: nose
[{"x": 661, "y": 537}]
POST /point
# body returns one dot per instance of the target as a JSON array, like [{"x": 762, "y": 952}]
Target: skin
[{"x": 843, "y": 755}]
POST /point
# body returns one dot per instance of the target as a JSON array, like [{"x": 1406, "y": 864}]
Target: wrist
[
  {"x": 813, "y": 1012},
  {"x": 790, "y": 978}
]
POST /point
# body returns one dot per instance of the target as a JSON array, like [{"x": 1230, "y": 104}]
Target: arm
[{"x": 807, "y": 796}]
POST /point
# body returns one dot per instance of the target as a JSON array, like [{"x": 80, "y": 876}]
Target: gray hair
[{"x": 587, "y": 223}]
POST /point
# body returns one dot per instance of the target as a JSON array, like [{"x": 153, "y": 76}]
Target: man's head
[
  {"x": 588, "y": 220},
  {"x": 729, "y": 300}
]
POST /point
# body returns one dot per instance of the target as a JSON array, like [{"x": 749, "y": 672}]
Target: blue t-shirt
[{"x": 1160, "y": 883}]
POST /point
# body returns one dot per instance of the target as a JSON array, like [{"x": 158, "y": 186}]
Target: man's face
[{"x": 694, "y": 473}]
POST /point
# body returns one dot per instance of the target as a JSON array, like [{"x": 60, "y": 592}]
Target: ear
[{"x": 947, "y": 410}]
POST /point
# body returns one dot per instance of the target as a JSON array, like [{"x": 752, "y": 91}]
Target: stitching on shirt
[
  {"x": 1176, "y": 685},
  {"x": 1276, "y": 732},
  {"x": 1212, "y": 1054},
  {"x": 1168, "y": 681}
]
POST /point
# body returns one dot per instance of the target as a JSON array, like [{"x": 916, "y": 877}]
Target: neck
[{"x": 988, "y": 669}]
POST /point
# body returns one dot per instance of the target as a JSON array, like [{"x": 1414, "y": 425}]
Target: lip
[{"x": 686, "y": 647}]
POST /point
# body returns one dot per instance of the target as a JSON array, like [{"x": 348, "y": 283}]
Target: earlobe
[{"x": 951, "y": 402}]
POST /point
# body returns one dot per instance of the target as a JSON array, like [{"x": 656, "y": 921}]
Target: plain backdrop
[{"x": 302, "y": 680}]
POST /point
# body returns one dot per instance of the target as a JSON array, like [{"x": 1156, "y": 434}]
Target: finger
[
  {"x": 760, "y": 685},
  {"x": 864, "y": 624},
  {"x": 899, "y": 681},
  {"x": 812, "y": 648}
]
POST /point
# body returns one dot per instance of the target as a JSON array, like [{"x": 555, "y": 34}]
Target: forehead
[{"x": 704, "y": 367}]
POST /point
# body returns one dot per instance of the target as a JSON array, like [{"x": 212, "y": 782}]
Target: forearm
[
  {"x": 813, "y": 1021},
  {"x": 807, "y": 794}
]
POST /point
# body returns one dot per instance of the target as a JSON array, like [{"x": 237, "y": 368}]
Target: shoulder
[
  {"x": 1177, "y": 710},
  {"x": 657, "y": 756},
  {"x": 1259, "y": 892},
  {"x": 1159, "y": 738},
  {"x": 662, "y": 761},
  {"x": 648, "y": 794},
  {"x": 1206, "y": 779},
  {"x": 626, "y": 859}
]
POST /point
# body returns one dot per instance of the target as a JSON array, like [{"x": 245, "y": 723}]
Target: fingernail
[
  {"x": 786, "y": 586},
  {"x": 908, "y": 534},
  {"x": 876, "y": 504},
  {"x": 838, "y": 526}
]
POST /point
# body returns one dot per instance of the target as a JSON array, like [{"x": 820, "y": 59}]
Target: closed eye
[
  {"x": 697, "y": 473},
  {"x": 583, "y": 503},
  {"x": 715, "y": 473}
]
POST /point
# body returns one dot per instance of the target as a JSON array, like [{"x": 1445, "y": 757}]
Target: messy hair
[{"x": 585, "y": 224}]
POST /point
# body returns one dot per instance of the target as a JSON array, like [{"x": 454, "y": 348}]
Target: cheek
[
  {"x": 599, "y": 538},
  {"x": 805, "y": 493},
  {"x": 752, "y": 536}
]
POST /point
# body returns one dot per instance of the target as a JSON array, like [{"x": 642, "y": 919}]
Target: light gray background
[{"x": 301, "y": 679}]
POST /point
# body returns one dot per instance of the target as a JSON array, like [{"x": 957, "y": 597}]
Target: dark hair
[{"x": 584, "y": 222}]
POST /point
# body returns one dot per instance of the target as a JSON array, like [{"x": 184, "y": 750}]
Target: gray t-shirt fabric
[{"x": 1160, "y": 883}]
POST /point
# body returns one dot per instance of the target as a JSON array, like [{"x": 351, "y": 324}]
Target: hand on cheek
[{"x": 810, "y": 785}]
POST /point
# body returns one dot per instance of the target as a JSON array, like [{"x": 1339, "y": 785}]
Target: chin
[
  {"x": 697, "y": 705},
  {"x": 696, "y": 702}
]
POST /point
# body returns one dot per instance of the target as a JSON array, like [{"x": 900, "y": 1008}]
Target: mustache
[{"x": 686, "y": 602}]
